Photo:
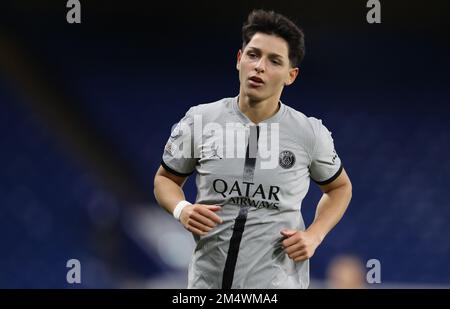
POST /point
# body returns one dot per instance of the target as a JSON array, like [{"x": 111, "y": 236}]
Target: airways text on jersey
[{"x": 243, "y": 193}]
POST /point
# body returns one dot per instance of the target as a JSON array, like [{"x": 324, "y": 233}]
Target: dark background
[{"x": 85, "y": 111}]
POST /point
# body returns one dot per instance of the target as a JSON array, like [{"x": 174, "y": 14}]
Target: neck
[{"x": 258, "y": 111}]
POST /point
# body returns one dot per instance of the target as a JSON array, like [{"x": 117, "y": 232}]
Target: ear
[
  {"x": 293, "y": 73},
  {"x": 238, "y": 62}
]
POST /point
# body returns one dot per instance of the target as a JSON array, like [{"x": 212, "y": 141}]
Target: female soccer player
[{"x": 254, "y": 157}]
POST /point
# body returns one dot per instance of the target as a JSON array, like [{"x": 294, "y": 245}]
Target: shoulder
[
  {"x": 300, "y": 122},
  {"x": 211, "y": 108},
  {"x": 308, "y": 124}
]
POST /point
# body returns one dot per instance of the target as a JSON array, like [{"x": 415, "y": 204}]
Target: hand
[
  {"x": 299, "y": 245},
  {"x": 200, "y": 219}
]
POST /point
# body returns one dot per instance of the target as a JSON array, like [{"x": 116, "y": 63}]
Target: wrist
[
  {"x": 179, "y": 208},
  {"x": 317, "y": 233}
]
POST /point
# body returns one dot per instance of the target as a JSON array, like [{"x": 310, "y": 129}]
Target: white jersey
[{"x": 257, "y": 200}]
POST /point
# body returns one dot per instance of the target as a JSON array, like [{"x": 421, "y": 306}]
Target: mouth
[{"x": 255, "y": 81}]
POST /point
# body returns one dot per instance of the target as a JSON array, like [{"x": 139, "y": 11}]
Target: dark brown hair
[{"x": 269, "y": 22}]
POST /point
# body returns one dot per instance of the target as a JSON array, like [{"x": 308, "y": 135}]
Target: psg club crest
[{"x": 287, "y": 159}]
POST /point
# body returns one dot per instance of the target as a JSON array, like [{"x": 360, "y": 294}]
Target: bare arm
[
  {"x": 332, "y": 206},
  {"x": 330, "y": 209},
  {"x": 197, "y": 218},
  {"x": 168, "y": 189}
]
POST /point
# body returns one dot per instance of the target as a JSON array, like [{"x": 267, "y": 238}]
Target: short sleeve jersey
[{"x": 259, "y": 174}]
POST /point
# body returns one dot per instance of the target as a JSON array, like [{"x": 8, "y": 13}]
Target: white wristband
[{"x": 179, "y": 208}]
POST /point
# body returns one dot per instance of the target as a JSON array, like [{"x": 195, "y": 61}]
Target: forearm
[
  {"x": 167, "y": 193},
  {"x": 330, "y": 210},
  {"x": 198, "y": 218}
]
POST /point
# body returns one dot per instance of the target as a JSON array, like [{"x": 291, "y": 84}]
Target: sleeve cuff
[
  {"x": 172, "y": 171},
  {"x": 336, "y": 175}
]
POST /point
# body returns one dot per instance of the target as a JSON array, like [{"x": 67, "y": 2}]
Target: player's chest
[{"x": 285, "y": 159}]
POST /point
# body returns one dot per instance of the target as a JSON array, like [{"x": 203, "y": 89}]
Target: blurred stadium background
[{"x": 85, "y": 111}]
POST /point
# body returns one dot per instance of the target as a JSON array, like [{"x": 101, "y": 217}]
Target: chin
[{"x": 255, "y": 95}]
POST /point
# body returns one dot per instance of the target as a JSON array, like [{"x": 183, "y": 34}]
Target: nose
[{"x": 260, "y": 66}]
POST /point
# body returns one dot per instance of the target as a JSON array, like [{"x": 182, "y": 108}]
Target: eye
[
  {"x": 276, "y": 62},
  {"x": 251, "y": 55}
]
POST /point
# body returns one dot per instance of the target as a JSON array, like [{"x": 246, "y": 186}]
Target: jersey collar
[{"x": 273, "y": 119}]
